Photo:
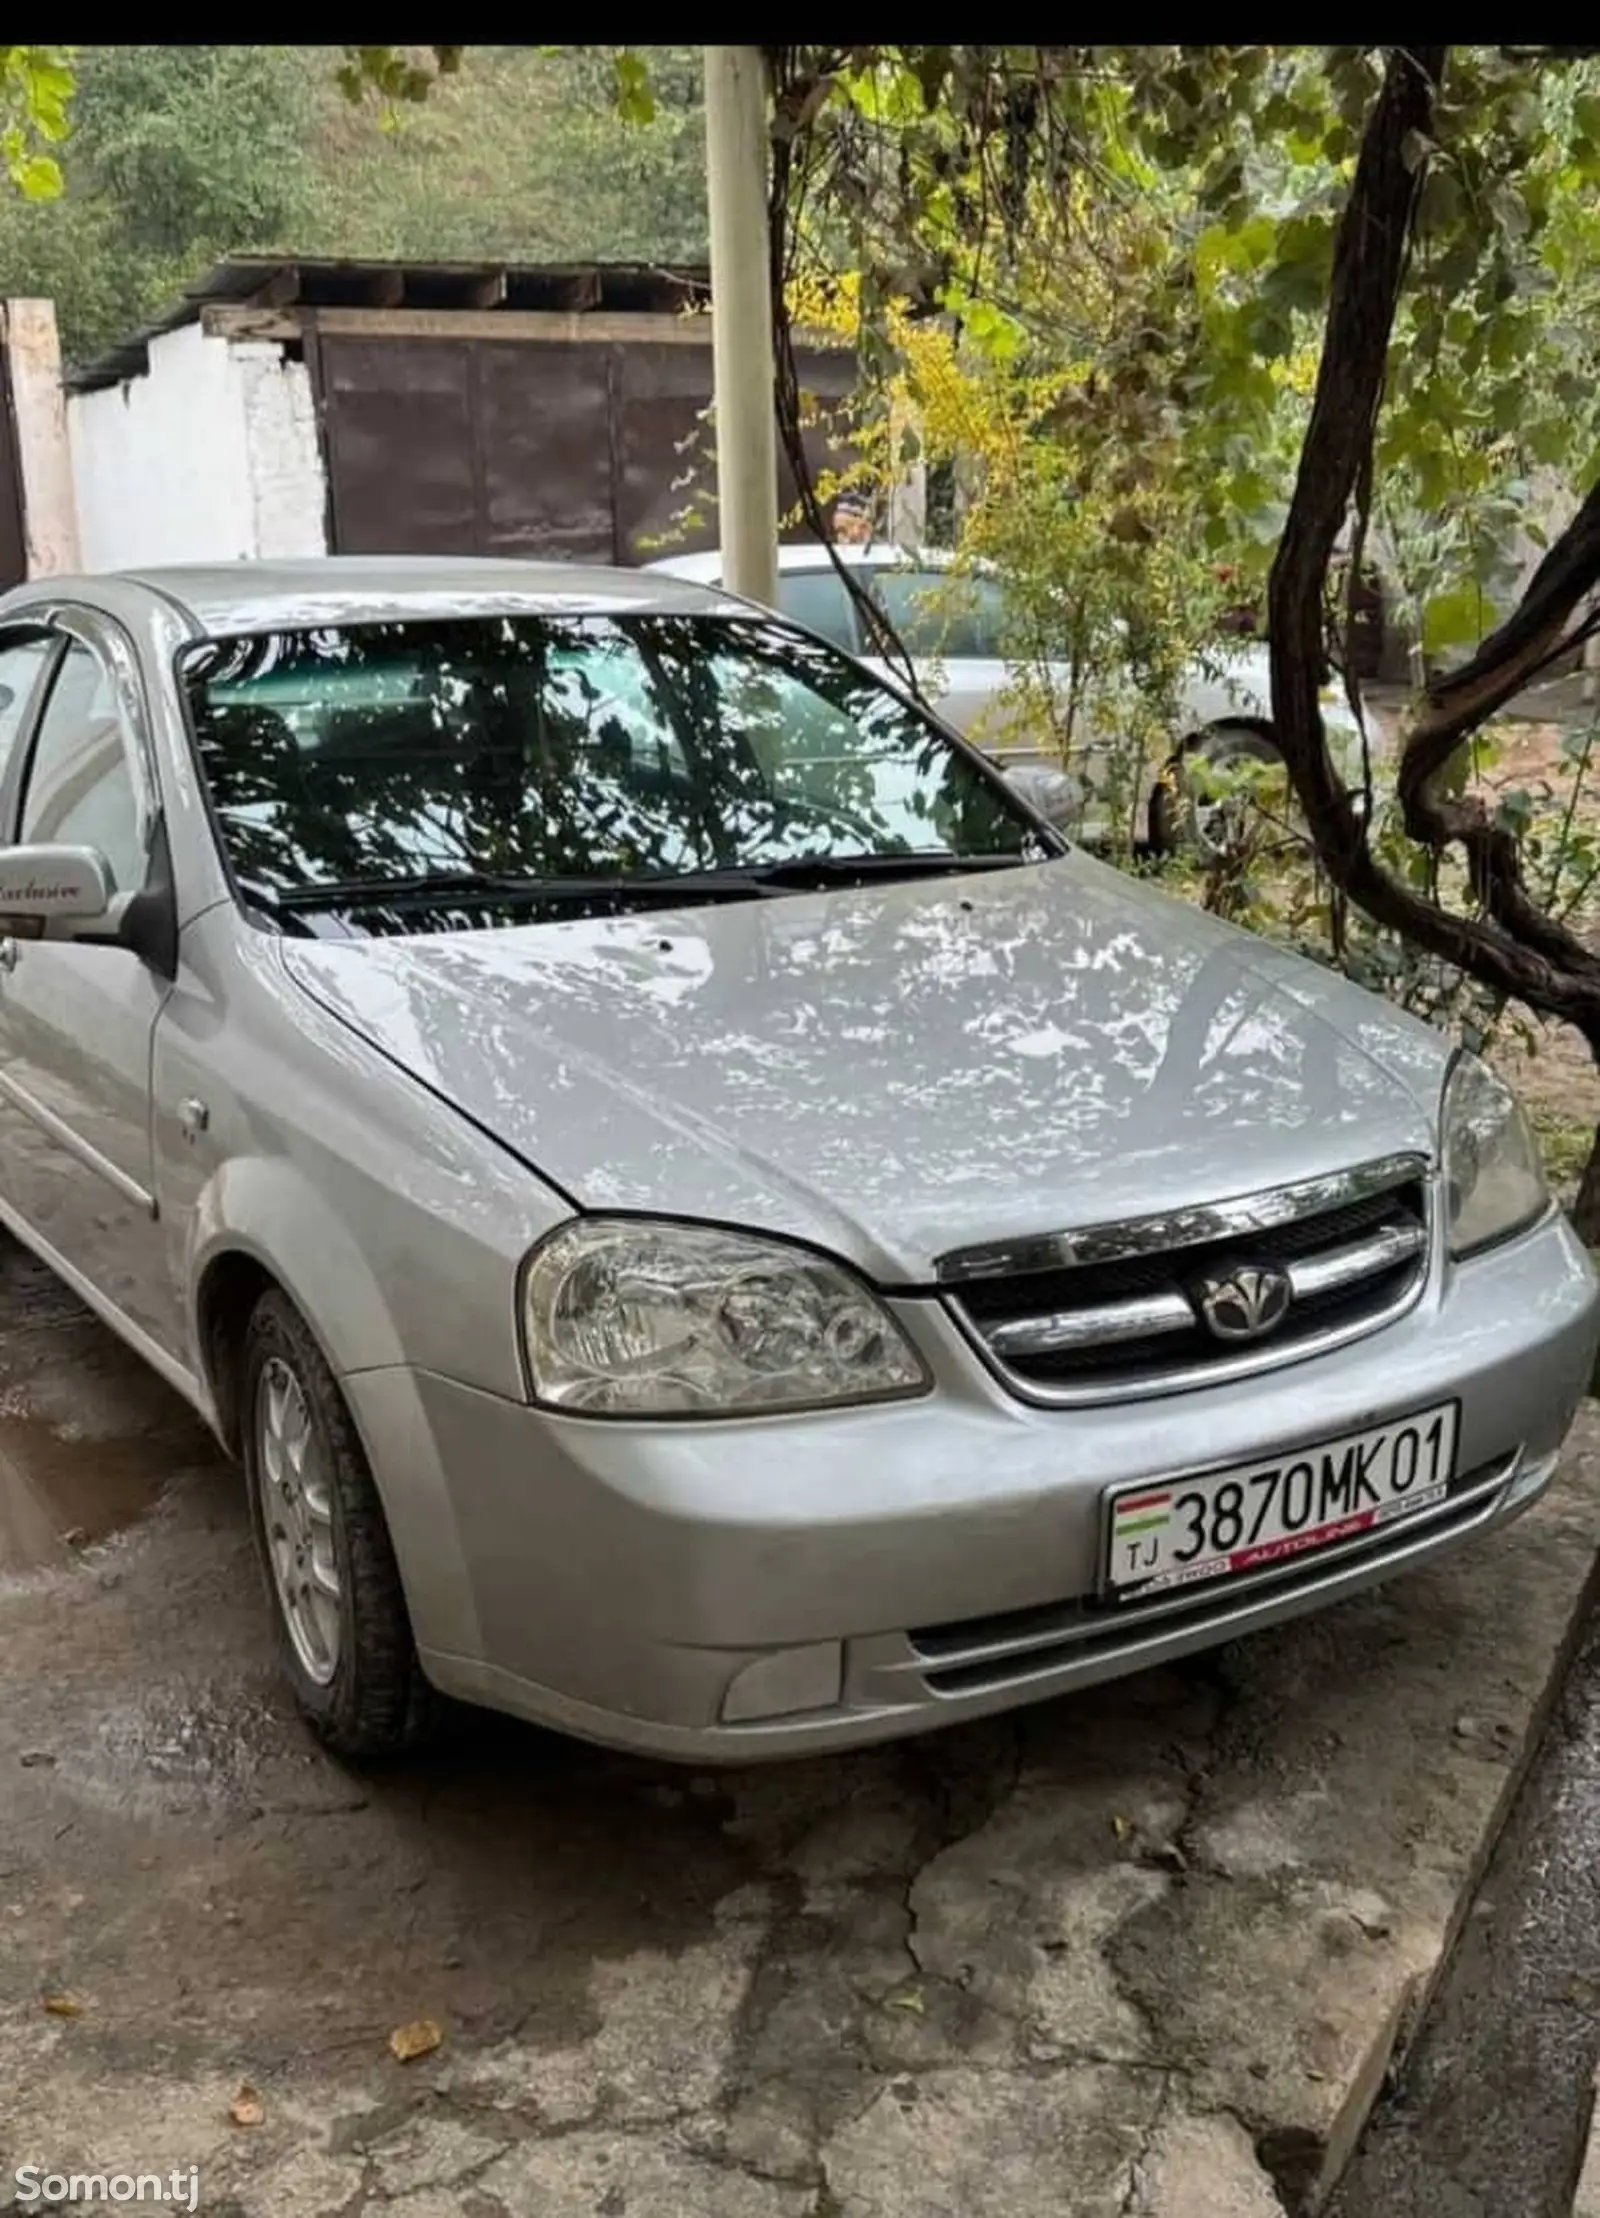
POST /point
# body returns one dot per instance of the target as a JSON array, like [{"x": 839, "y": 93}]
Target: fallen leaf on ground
[
  {"x": 1121, "y": 1826},
  {"x": 246, "y": 2108},
  {"x": 910, "y": 2000},
  {"x": 60, "y": 2004},
  {"x": 420, "y": 2038}
]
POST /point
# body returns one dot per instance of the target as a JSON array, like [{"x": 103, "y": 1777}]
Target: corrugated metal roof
[{"x": 286, "y": 282}]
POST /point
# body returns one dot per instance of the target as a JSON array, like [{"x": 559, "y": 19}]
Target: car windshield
[{"x": 359, "y": 771}]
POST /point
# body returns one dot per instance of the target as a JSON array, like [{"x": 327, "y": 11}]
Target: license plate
[{"x": 1173, "y": 1533}]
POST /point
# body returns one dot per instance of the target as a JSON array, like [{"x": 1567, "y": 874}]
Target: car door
[{"x": 76, "y": 1017}]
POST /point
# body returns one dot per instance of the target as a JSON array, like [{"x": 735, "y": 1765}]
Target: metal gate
[{"x": 562, "y": 449}]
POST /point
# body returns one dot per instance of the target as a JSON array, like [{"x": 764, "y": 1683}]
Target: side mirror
[
  {"x": 46, "y": 888},
  {"x": 1054, "y": 794}
]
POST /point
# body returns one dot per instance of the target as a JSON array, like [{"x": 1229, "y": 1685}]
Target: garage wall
[
  {"x": 568, "y": 449},
  {"x": 288, "y": 484},
  {"x": 210, "y": 456}
]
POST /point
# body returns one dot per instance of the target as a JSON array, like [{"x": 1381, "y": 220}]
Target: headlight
[
  {"x": 1493, "y": 1172},
  {"x": 632, "y": 1318}
]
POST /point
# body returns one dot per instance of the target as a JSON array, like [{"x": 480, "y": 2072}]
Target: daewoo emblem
[{"x": 1245, "y": 1303}]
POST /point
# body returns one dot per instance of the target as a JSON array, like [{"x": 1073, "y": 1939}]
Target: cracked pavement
[{"x": 1140, "y": 1954}]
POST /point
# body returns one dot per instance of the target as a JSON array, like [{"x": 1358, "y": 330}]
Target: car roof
[
  {"x": 228, "y": 597},
  {"x": 881, "y": 554}
]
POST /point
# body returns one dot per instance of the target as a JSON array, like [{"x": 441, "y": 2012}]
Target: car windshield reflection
[{"x": 505, "y": 762}]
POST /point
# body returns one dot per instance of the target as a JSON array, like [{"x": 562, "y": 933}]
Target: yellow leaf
[
  {"x": 246, "y": 2108},
  {"x": 420, "y": 2038},
  {"x": 60, "y": 2004},
  {"x": 910, "y": 2000},
  {"x": 1121, "y": 1826}
]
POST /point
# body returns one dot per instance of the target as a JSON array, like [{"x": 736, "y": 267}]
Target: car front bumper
[{"x": 764, "y": 1588}]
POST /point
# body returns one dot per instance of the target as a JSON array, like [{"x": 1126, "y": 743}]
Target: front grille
[
  {"x": 970, "y": 1655},
  {"x": 1119, "y": 1324}
]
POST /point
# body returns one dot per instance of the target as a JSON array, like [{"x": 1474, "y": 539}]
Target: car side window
[
  {"x": 21, "y": 662},
  {"x": 79, "y": 790},
  {"x": 943, "y": 616},
  {"x": 820, "y": 600}
]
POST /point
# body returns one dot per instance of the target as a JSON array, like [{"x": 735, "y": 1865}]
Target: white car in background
[{"x": 953, "y": 625}]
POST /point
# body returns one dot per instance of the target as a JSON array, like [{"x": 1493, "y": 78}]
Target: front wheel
[
  {"x": 344, "y": 1635},
  {"x": 1184, "y": 818}
]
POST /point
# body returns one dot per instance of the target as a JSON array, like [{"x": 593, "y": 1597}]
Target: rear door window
[
  {"x": 942, "y": 616},
  {"x": 820, "y": 600}
]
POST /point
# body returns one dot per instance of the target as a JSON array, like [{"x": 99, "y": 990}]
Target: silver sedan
[{"x": 707, "y": 1223}]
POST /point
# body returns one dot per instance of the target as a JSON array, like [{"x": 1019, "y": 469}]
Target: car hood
[{"x": 901, "y": 1070}]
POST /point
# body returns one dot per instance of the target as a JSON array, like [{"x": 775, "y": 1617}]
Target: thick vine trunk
[{"x": 1510, "y": 944}]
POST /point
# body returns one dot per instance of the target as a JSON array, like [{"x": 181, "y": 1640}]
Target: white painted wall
[
  {"x": 209, "y": 457},
  {"x": 288, "y": 486}
]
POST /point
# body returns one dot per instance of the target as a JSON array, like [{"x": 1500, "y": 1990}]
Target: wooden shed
[{"x": 300, "y": 407}]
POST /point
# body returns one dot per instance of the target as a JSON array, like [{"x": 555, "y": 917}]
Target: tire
[
  {"x": 348, "y": 1652},
  {"x": 1176, "y": 826}
]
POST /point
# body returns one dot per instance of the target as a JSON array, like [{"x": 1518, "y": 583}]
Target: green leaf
[
  {"x": 39, "y": 177},
  {"x": 1439, "y": 206},
  {"x": 635, "y": 102},
  {"x": 992, "y": 331},
  {"x": 1506, "y": 407},
  {"x": 1510, "y": 211},
  {"x": 1453, "y": 619},
  {"x": 1546, "y": 440},
  {"x": 1269, "y": 328},
  {"x": 1295, "y": 286},
  {"x": 1255, "y": 243}
]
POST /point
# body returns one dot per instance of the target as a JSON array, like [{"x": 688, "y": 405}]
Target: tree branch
[
  {"x": 794, "y": 111},
  {"x": 1513, "y": 946},
  {"x": 1368, "y": 266},
  {"x": 1532, "y": 637}
]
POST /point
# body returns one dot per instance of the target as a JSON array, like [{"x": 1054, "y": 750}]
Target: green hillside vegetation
[{"x": 180, "y": 154}]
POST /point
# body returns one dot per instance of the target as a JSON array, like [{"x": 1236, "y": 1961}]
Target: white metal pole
[{"x": 741, "y": 319}]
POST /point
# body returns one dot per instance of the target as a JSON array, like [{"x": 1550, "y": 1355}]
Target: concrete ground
[
  {"x": 1489, "y": 2115},
  {"x": 1141, "y": 1952}
]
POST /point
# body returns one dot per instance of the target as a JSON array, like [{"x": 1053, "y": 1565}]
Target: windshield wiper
[
  {"x": 429, "y": 888},
  {"x": 795, "y": 874},
  {"x": 801, "y": 871}
]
